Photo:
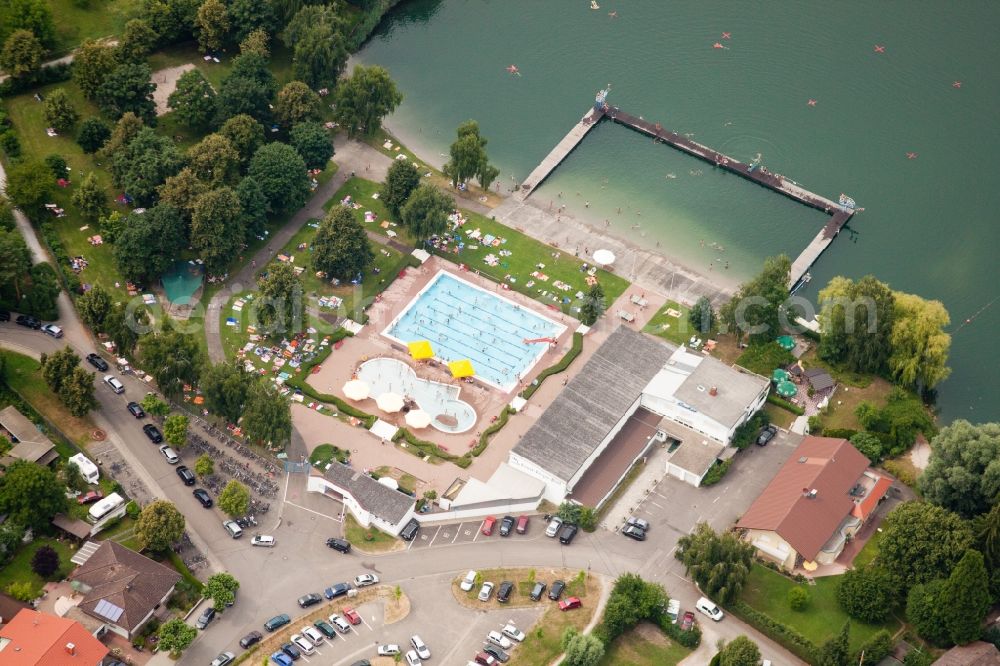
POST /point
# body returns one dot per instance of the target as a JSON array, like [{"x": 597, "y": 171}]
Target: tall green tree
[
  {"x": 719, "y": 564},
  {"x": 225, "y": 386},
  {"x": 182, "y": 191},
  {"x": 280, "y": 309},
  {"x": 753, "y": 311},
  {"x": 964, "y": 470},
  {"x": 128, "y": 88},
  {"x": 296, "y": 103},
  {"x": 365, "y": 98},
  {"x": 212, "y": 25},
  {"x": 234, "y": 499},
  {"x": 320, "y": 56},
  {"x": 194, "y": 100},
  {"x": 58, "y": 366},
  {"x": 155, "y": 407},
  {"x": 175, "y": 636},
  {"x": 22, "y": 53},
  {"x": 400, "y": 181},
  {"x": 267, "y": 417},
  {"x": 702, "y": 315},
  {"x": 204, "y": 465},
  {"x": 171, "y": 20},
  {"x": 29, "y": 185},
  {"x": 90, "y": 198},
  {"x": 34, "y": 16},
  {"x": 967, "y": 597},
  {"x": 175, "y": 430},
  {"x": 159, "y": 526},
  {"x": 248, "y": 88},
  {"x": 341, "y": 248},
  {"x": 221, "y": 589},
  {"x": 125, "y": 130},
  {"x": 217, "y": 231},
  {"x": 919, "y": 344},
  {"x": 582, "y": 649},
  {"x": 857, "y": 323},
  {"x": 144, "y": 164},
  {"x": 313, "y": 142},
  {"x": 309, "y": 15},
  {"x": 77, "y": 392},
  {"x": 257, "y": 42},
  {"x": 866, "y": 594},
  {"x": 15, "y": 260},
  {"x": 94, "y": 306},
  {"x": 468, "y": 157},
  {"x": 253, "y": 205},
  {"x": 137, "y": 40},
  {"x": 122, "y": 326},
  {"x": 92, "y": 135},
  {"x": 31, "y": 495},
  {"x": 40, "y": 298},
  {"x": 836, "y": 651},
  {"x": 173, "y": 359},
  {"x": 741, "y": 651},
  {"x": 214, "y": 160},
  {"x": 246, "y": 135},
  {"x": 921, "y": 542},
  {"x": 59, "y": 110},
  {"x": 593, "y": 305},
  {"x": 426, "y": 212},
  {"x": 927, "y": 612},
  {"x": 150, "y": 242},
  {"x": 245, "y": 16},
  {"x": 93, "y": 63},
  {"x": 281, "y": 174}
]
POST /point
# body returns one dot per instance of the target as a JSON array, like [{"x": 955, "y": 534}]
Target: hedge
[
  {"x": 40, "y": 77},
  {"x": 784, "y": 404},
  {"x": 689, "y": 639},
  {"x": 747, "y": 433},
  {"x": 716, "y": 473},
  {"x": 839, "y": 433},
  {"x": 70, "y": 280},
  {"x": 563, "y": 363},
  {"x": 431, "y": 449},
  {"x": 795, "y": 642},
  {"x": 494, "y": 428}
]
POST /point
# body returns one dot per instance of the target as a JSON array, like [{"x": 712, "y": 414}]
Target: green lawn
[
  {"x": 370, "y": 540},
  {"x": 281, "y": 62},
  {"x": 779, "y": 416},
  {"x": 76, "y": 21},
  {"x": 644, "y": 646},
  {"x": 823, "y": 619},
  {"x": 19, "y": 568},
  {"x": 869, "y": 552},
  {"x": 675, "y": 329}
]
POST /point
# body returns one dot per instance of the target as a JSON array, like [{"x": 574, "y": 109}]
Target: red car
[
  {"x": 688, "y": 621},
  {"x": 522, "y": 524},
  {"x": 89, "y": 497},
  {"x": 486, "y": 659},
  {"x": 570, "y": 603},
  {"x": 488, "y": 524},
  {"x": 352, "y": 616}
]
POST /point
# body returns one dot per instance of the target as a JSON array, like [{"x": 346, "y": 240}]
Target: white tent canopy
[
  {"x": 604, "y": 257},
  {"x": 389, "y": 402},
  {"x": 356, "y": 389},
  {"x": 418, "y": 418}
]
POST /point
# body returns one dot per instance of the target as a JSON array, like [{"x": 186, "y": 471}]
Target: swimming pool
[
  {"x": 448, "y": 413},
  {"x": 462, "y": 320}
]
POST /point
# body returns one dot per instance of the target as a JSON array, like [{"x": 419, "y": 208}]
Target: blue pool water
[{"x": 461, "y": 320}]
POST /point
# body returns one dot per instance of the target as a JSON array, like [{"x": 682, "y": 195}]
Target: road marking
[
  {"x": 365, "y": 623},
  {"x": 305, "y": 658},
  {"x": 409, "y": 546},
  {"x": 475, "y": 538},
  {"x": 457, "y": 533},
  {"x": 659, "y": 505},
  {"x": 716, "y": 499},
  {"x": 299, "y": 506},
  {"x": 436, "y": 532}
]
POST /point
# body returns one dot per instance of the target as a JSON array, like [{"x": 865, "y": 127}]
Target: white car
[
  {"x": 468, "y": 582},
  {"x": 53, "y": 330},
  {"x": 422, "y": 650},
  {"x": 486, "y": 591},
  {"x": 303, "y": 643},
  {"x": 510, "y": 631},
  {"x": 708, "y": 608},
  {"x": 499, "y": 639},
  {"x": 554, "y": 525},
  {"x": 342, "y": 625},
  {"x": 389, "y": 650},
  {"x": 412, "y": 659},
  {"x": 313, "y": 634},
  {"x": 365, "y": 579},
  {"x": 263, "y": 540}
]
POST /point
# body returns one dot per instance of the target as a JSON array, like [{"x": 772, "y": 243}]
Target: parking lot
[{"x": 470, "y": 531}]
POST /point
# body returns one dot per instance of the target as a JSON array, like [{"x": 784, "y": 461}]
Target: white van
[
  {"x": 262, "y": 540},
  {"x": 105, "y": 506},
  {"x": 708, "y": 608},
  {"x": 113, "y": 382}
]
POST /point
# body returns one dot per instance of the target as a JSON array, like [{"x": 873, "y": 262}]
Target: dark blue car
[{"x": 338, "y": 590}]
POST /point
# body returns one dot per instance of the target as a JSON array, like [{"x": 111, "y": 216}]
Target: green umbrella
[
  {"x": 786, "y": 342},
  {"x": 779, "y": 375},
  {"x": 786, "y": 389}
]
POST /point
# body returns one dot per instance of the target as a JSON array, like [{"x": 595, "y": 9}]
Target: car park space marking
[
  {"x": 365, "y": 623},
  {"x": 299, "y": 506},
  {"x": 458, "y": 531},
  {"x": 436, "y": 532},
  {"x": 659, "y": 505}
]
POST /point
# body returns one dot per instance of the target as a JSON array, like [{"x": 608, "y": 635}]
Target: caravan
[
  {"x": 87, "y": 468},
  {"x": 105, "y": 507}
]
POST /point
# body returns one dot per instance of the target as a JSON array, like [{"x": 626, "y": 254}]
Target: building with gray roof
[{"x": 372, "y": 502}]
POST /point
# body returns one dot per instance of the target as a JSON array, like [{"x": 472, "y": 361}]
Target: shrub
[
  {"x": 563, "y": 363},
  {"x": 875, "y": 649},
  {"x": 746, "y": 434},
  {"x": 494, "y": 428},
  {"x": 865, "y": 594},
  {"x": 798, "y": 598},
  {"x": 717, "y": 472},
  {"x": 22, "y": 591},
  {"x": 45, "y": 561},
  {"x": 764, "y": 358},
  {"x": 784, "y": 404},
  {"x": 901, "y": 471},
  {"x": 132, "y": 509},
  {"x": 795, "y": 642}
]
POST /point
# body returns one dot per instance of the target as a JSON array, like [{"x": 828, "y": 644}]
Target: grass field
[
  {"x": 677, "y": 330},
  {"x": 779, "y": 416},
  {"x": 645, "y": 645},
  {"x": 542, "y": 643},
  {"x": 19, "y": 569},
  {"x": 369, "y": 540},
  {"x": 76, "y": 21},
  {"x": 869, "y": 552},
  {"x": 822, "y": 619}
]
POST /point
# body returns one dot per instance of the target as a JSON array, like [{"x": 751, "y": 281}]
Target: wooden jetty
[{"x": 839, "y": 215}]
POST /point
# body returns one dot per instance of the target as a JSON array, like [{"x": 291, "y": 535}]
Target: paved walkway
[{"x": 60, "y": 61}]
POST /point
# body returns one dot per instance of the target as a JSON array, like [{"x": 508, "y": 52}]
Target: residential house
[
  {"x": 29, "y": 442},
  {"x": 39, "y": 639}
]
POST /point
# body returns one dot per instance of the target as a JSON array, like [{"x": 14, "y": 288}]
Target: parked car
[
  {"x": 634, "y": 532},
  {"x": 486, "y": 591},
  {"x": 4, "y": 315},
  {"x": 279, "y": 658},
  {"x": 277, "y": 622},
  {"x": 352, "y": 616},
  {"x": 556, "y": 590},
  {"x": 28, "y": 321},
  {"x": 313, "y": 634},
  {"x": 364, "y": 580},
  {"x": 412, "y": 659},
  {"x": 638, "y": 522},
  {"x": 423, "y": 651},
  {"x": 224, "y": 659},
  {"x": 673, "y": 610},
  {"x": 495, "y": 652},
  {"x": 202, "y": 496},
  {"x": 325, "y": 628},
  {"x": 263, "y": 540},
  {"x": 409, "y": 531},
  {"x": 554, "y": 525},
  {"x": 512, "y": 632},
  {"x": 522, "y": 525},
  {"x": 488, "y": 524},
  {"x": 687, "y": 621},
  {"x": 468, "y": 582},
  {"x": 506, "y": 525},
  {"x": 485, "y": 659},
  {"x": 504, "y": 591},
  {"x": 307, "y": 600},
  {"x": 136, "y": 410},
  {"x": 537, "y": 591},
  {"x": 90, "y": 496},
  {"x": 205, "y": 618},
  {"x": 304, "y": 645},
  {"x": 766, "y": 435},
  {"x": 708, "y": 608},
  {"x": 170, "y": 455},
  {"x": 337, "y": 590},
  {"x": 53, "y": 330},
  {"x": 388, "y": 650},
  {"x": 343, "y": 626},
  {"x": 97, "y": 362},
  {"x": 251, "y": 639},
  {"x": 153, "y": 433},
  {"x": 567, "y": 534},
  {"x": 291, "y": 651},
  {"x": 340, "y": 545},
  {"x": 497, "y": 638},
  {"x": 570, "y": 603},
  {"x": 117, "y": 387},
  {"x": 187, "y": 476}
]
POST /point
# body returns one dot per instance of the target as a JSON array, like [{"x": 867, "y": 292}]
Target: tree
[
  {"x": 217, "y": 231},
  {"x": 921, "y": 542},
  {"x": 214, "y": 160},
  {"x": 175, "y": 636},
  {"x": 875, "y": 649},
  {"x": 798, "y": 598},
  {"x": 123, "y": 325},
  {"x": 246, "y": 135},
  {"x": 15, "y": 260},
  {"x": 426, "y": 212},
  {"x": 866, "y": 594},
  {"x": 173, "y": 359},
  {"x": 29, "y": 185},
  {"x": 40, "y": 299},
  {"x": 869, "y": 445},
  {"x": 964, "y": 471},
  {"x": 34, "y": 16},
  {"x": 836, "y": 651},
  {"x": 919, "y": 344},
  {"x": 212, "y": 25},
  {"x": 159, "y": 526},
  {"x": 224, "y": 386},
  {"x": 754, "y": 309},
  {"x": 247, "y": 89},
  {"x": 583, "y": 650},
  {"x": 73, "y": 478},
  {"x": 901, "y": 419},
  {"x": 988, "y": 537},
  {"x": 468, "y": 157},
  {"x": 128, "y": 88},
  {"x": 281, "y": 174},
  {"x": 365, "y": 98},
  {"x": 144, "y": 164},
  {"x": 267, "y": 418},
  {"x": 58, "y": 366},
  {"x": 182, "y": 191},
  {"x": 296, "y": 103},
  {"x": 150, "y": 242},
  {"x": 319, "y": 57},
  {"x": 249, "y": 15},
  {"x": 194, "y": 100},
  {"x": 126, "y": 129},
  {"x": 137, "y": 41},
  {"x": 31, "y": 494},
  {"x": 93, "y": 62},
  {"x": 45, "y": 561},
  {"x": 341, "y": 248},
  {"x": 175, "y": 430},
  {"x": 257, "y": 42},
  {"x": 719, "y": 565},
  {"x": 77, "y": 392},
  {"x": 741, "y": 651},
  {"x": 221, "y": 589},
  {"x": 7, "y": 222},
  {"x": 90, "y": 198},
  {"x": 593, "y": 305},
  {"x": 307, "y": 17},
  {"x": 927, "y": 612},
  {"x": 11, "y": 538},
  {"x": 92, "y": 135},
  {"x": 967, "y": 597},
  {"x": 312, "y": 141},
  {"x": 153, "y": 406},
  {"x": 281, "y": 306},
  {"x": 57, "y": 165},
  {"x": 21, "y": 54},
  {"x": 204, "y": 465},
  {"x": 400, "y": 181},
  {"x": 702, "y": 316},
  {"x": 171, "y": 20},
  {"x": 857, "y": 323},
  {"x": 253, "y": 206},
  {"x": 234, "y": 499},
  {"x": 632, "y": 600}
]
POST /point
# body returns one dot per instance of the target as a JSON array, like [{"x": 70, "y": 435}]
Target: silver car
[
  {"x": 486, "y": 591},
  {"x": 554, "y": 525}
]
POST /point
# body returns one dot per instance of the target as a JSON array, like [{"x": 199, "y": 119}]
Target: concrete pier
[{"x": 559, "y": 153}]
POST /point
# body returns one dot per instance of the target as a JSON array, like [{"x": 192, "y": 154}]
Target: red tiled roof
[
  {"x": 827, "y": 465},
  {"x": 40, "y": 639},
  {"x": 871, "y": 500}
]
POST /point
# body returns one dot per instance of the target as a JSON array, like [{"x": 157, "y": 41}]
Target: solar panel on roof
[{"x": 108, "y": 610}]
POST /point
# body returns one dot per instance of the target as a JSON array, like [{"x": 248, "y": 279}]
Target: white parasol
[
  {"x": 356, "y": 389},
  {"x": 418, "y": 418},
  {"x": 389, "y": 402},
  {"x": 604, "y": 257}
]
